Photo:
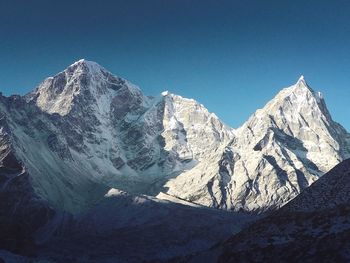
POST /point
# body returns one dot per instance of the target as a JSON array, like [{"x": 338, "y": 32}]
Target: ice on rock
[
  {"x": 88, "y": 145},
  {"x": 301, "y": 79},
  {"x": 85, "y": 131},
  {"x": 165, "y": 93},
  {"x": 279, "y": 151},
  {"x": 92, "y": 131}
]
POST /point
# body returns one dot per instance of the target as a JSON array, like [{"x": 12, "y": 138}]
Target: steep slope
[
  {"x": 330, "y": 191},
  {"x": 84, "y": 131},
  {"x": 22, "y": 211},
  {"x": 279, "y": 151},
  {"x": 84, "y": 134},
  {"x": 315, "y": 226}
]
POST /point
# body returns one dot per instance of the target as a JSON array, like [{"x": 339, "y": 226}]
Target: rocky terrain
[
  {"x": 278, "y": 152},
  {"x": 87, "y": 156},
  {"x": 314, "y": 227}
]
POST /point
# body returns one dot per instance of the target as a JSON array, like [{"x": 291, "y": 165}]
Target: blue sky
[{"x": 232, "y": 56}]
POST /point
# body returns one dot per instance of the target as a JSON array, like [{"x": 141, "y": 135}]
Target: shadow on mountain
[
  {"x": 22, "y": 213},
  {"x": 313, "y": 227},
  {"x": 126, "y": 228}
]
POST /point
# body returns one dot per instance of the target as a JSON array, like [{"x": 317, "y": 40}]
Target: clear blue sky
[{"x": 232, "y": 56}]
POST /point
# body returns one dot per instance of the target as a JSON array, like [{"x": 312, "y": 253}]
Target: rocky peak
[
  {"x": 302, "y": 81},
  {"x": 279, "y": 151},
  {"x": 82, "y": 82},
  {"x": 293, "y": 109},
  {"x": 89, "y": 69},
  {"x": 302, "y": 88},
  {"x": 190, "y": 129},
  {"x": 85, "y": 66}
]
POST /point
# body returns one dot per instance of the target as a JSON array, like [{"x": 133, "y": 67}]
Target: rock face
[
  {"x": 330, "y": 191},
  {"x": 85, "y": 134},
  {"x": 279, "y": 151},
  {"x": 85, "y": 131},
  {"x": 22, "y": 211},
  {"x": 314, "y": 227}
]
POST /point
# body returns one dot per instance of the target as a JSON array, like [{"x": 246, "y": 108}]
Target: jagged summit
[
  {"x": 280, "y": 150},
  {"x": 165, "y": 93},
  {"x": 85, "y": 65},
  {"x": 130, "y": 140},
  {"x": 85, "y": 131},
  {"x": 84, "y": 61},
  {"x": 301, "y": 88},
  {"x": 295, "y": 101},
  {"x": 301, "y": 79},
  {"x": 84, "y": 82},
  {"x": 301, "y": 84}
]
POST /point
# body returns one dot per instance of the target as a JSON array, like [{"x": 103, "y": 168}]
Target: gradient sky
[{"x": 232, "y": 56}]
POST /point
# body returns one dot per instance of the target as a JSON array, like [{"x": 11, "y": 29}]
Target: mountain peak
[
  {"x": 85, "y": 66},
  {"x": 302, "y": 84},
  {"x": 302, "y": 78},
  {"x": 295, "y": 107},
  {"x": 84, "y": 61},
  {"x": 302, "y": 89},
  {"x": 83, "y": 79}
]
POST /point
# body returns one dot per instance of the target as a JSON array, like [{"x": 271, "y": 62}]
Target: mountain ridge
[
  {"x": 86, "y": 144},
  {"x": 283, "y": 148},
  {"x": 101, "y": 129}
]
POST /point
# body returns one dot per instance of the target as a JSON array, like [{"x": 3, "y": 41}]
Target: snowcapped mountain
[
  {"x": 84, "y": 135},
  {"x": 85, "y": 131},
  {"x": 279, "y": 151}
]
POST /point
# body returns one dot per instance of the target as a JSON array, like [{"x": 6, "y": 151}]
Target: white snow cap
[
  {"x": 87, "y": 62},
  {"x": 93, "y": 67},
  {"x": 301, "y": 78},
  {"x": 302, "y": 82}
]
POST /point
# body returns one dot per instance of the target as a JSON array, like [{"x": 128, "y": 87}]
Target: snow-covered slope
[
  {"x": 22, "y": 211},
  {"x": 279, "y": 151},
  {"x": 84, "y": 134},
  {"x": 85, "y": 131}
]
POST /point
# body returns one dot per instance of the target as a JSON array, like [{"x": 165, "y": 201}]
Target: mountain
[
  {"x": 279, "y": 151},
  {"x": 85, "y": 133},
  {"x": 314, "y": 227}
]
